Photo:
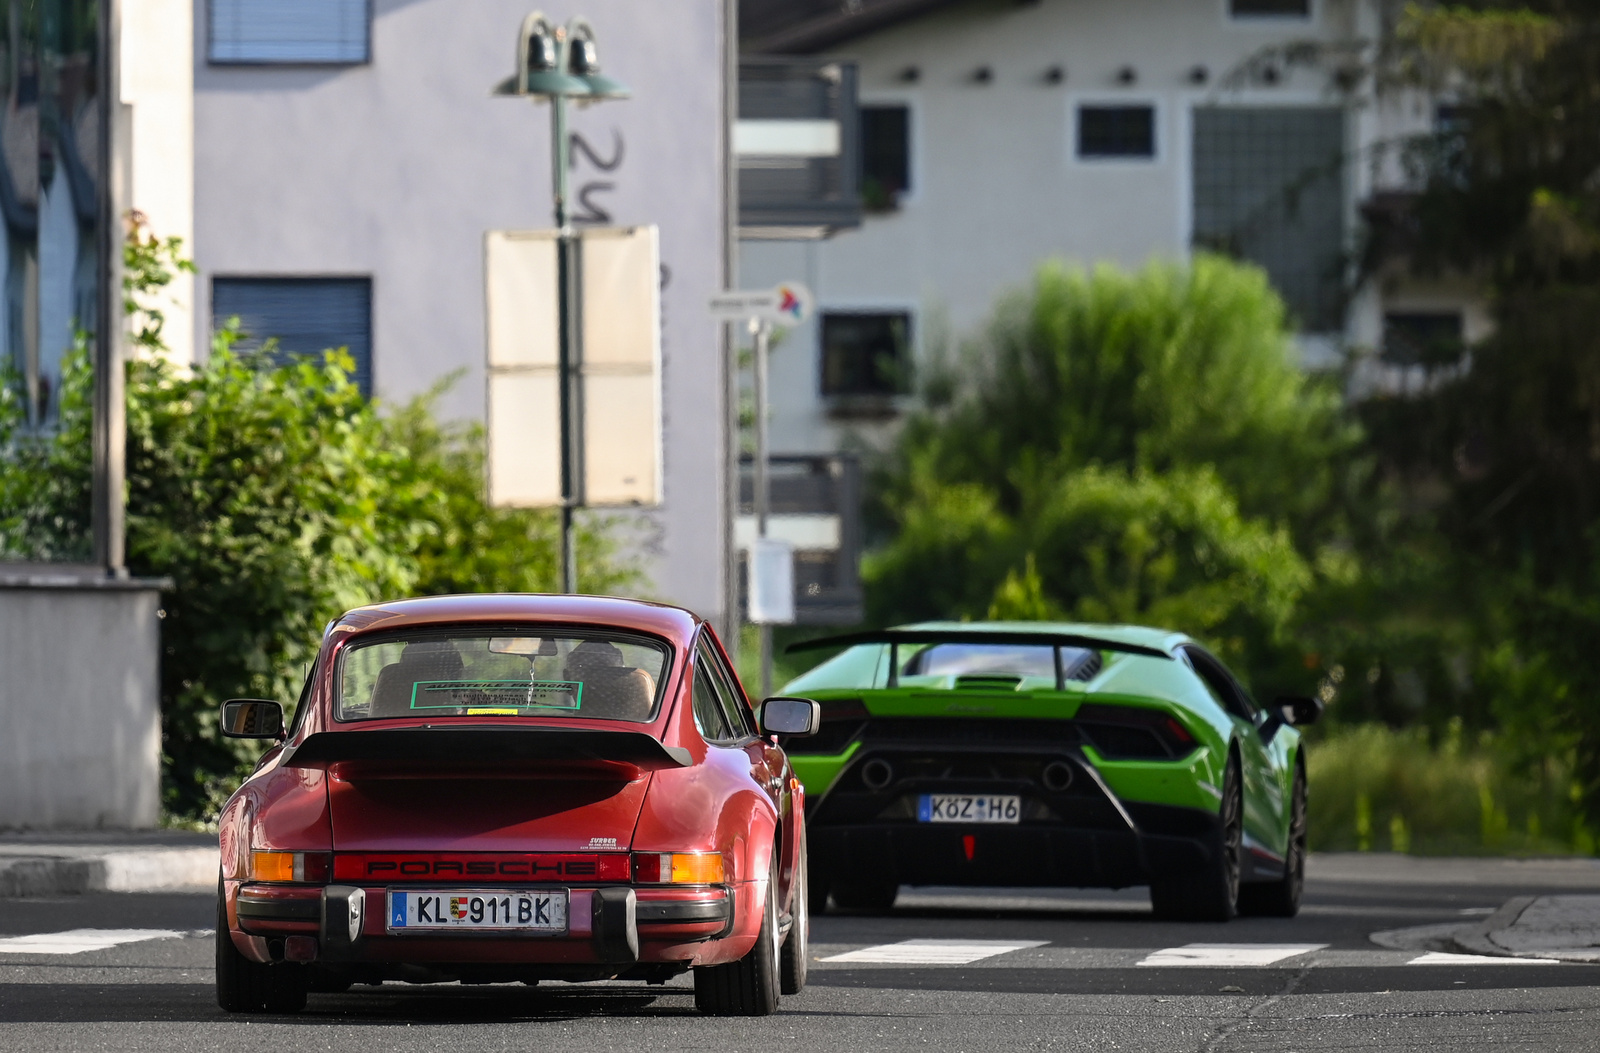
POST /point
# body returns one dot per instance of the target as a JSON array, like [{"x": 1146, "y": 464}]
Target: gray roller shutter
[
  {"x": 305, "y": 315},
  {"x": 289, "y": 31}
]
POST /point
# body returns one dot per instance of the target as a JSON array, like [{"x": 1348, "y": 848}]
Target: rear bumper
[
  {"x": 1079, "y": 834},
  {"x": 1036, "y": 855},
  {"x": 609, "y": 925}
]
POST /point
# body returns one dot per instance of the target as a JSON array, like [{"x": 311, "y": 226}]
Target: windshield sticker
[{"x": 520, "y": 694}]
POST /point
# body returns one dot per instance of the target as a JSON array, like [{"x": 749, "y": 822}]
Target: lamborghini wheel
[
  {"x": 749, "y": 986},
  {"x": 1211, "y": 894},
  {"x": 1281, "y": 899},
  {"x": 244, "y": 986},
  {"x": 872, "y": 897}
]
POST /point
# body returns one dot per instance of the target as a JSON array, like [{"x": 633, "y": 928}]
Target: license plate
[
  {"x": 478, "y": 910},
  {"x": 969, "y": 808}
]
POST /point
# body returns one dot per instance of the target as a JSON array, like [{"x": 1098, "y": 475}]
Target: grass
[{"x": 1375, "y": 788}]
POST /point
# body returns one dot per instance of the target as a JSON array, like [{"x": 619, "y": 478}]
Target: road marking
[
  {"x": 1229, "y": 954},
  {"x": 934, "y": 952},
  {"x": 76, "y": 941},
  {"x": 1446, "y": 958}
]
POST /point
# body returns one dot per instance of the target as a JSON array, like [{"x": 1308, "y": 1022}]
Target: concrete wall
[
  {"x": 396, "y": 169},
  {"x": 80, "y": 726},
  {"x": 996, "y": 185}
]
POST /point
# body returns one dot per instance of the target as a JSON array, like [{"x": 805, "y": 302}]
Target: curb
[
  {"x": 148, "y": 870},
  {"x": 1474, "y": 939}
]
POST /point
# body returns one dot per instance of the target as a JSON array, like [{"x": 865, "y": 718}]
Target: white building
[
  {"x": 998, "y": 135},
  {"x": 334, "y": 166}
]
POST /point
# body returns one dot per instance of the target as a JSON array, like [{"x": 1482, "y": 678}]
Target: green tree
[
  {"x": 275, "y": 498},
  {"x": 1121, "y": 447}
]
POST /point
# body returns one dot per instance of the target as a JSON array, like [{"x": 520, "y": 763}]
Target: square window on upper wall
[
  {"x": 866, "y": 353},
  {"x": 1269, "y": 8},
  {"x": 289, "y": 32},
  {"x": 1116, "y": 131},
  {"x": 305, "y": 316}
]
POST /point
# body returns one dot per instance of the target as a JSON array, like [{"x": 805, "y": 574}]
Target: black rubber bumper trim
[
  {"x": 670, "y": 912},
  {"x": 275, "y": 909}
]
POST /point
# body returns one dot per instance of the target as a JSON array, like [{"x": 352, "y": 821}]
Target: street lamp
[{"x": 560, "y": 63}]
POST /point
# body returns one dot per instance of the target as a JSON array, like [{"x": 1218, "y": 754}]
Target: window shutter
[
  {"x": 289, "y": 31},
  {"x": 306, "y": 315}
]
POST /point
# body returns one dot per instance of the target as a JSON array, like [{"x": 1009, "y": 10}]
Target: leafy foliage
[
  {"x": 1120, "y": 447},
  {"x": 274, "y": 499}
]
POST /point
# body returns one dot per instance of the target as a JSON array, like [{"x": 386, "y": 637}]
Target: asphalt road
[{"x": 1057, "y": 971}]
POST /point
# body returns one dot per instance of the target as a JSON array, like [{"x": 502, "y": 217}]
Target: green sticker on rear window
[{"x": 522, "y": 694}]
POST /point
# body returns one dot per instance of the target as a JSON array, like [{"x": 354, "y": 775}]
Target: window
[
  {"x": 478, "y": 674},
  {"x": 866, "y": 353},
  {"x": 885, "y": 156},
  {"x": 1429, "y": 339},
  {"x": 1269, "y": 188},
  {"x": 734, "y": 709},
  {"x": 1220, "y": 683},
  {"x": 305, "y": 315},
  {"x": 290, "y": 31},
  {"x": 1116, "y": 131},
  {"x": 709, "y": 717},
  {"x": 1269, "y": 8}
]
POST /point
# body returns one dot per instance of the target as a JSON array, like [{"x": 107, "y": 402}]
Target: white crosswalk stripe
[
  {"x": 76, "y": 941},
  {"x": 934, "y": 952},
  {"x": 1229, "y": 954},
  {"x": 1446, "y": 958}
]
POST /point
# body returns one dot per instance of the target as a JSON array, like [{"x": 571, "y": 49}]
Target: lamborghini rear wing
[{"x": 896, "y": 637}]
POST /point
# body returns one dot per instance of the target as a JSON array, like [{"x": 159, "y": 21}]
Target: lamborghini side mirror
[
  {"x": 1298, "y": 710},
  {"x": 790, "y": 716},
  {"x": 252, "y": 718}
]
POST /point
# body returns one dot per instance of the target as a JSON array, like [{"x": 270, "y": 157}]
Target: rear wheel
[
  {"x": 874, "y": 897},
  {"x": 1211, "y": 894},
  {"x": 1281, "y": 898},
  {"x": 749, "y": 986},
  {"x": 797, "y": 945},
  {"x": 244, "y": 986}
]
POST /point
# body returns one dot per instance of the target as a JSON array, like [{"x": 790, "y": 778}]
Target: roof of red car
[{"x": 674, "y": 623}]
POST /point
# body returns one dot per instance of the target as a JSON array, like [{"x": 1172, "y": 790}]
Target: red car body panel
[{"x": 571, "y": 820}]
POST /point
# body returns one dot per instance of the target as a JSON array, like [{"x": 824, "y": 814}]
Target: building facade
[
  {"x": 995, "y": 136},
  {"x": 335, "y": 165}
]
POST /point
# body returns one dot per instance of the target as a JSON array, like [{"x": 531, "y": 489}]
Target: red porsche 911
[{"x": 491, "y": 789}]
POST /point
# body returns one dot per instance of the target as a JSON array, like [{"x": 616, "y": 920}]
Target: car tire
[
  {"x": 244, "y": 986},
  {"x": 870, "y": 897},
  {"x": 1281, "y": 898},
  {"x": 797, "y": 945},
  {"x": 1212, "y": 893},
  {"x": 749, "y": 986}
]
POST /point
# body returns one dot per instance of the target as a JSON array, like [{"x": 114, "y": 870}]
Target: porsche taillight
[
  {"x": 678, "y": 868},
  {"x": 289, "y": 866}
]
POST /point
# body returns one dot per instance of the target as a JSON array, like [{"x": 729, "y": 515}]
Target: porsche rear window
[{"x": 501, "y": 675}]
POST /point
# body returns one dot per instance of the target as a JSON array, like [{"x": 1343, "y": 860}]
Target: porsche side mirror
[
  {"x": 790, "y": 716},
  {"x": 252, "y": 718}
]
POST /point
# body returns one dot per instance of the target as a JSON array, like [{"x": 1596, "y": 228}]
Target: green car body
[{"x": 1173, "y": 776}]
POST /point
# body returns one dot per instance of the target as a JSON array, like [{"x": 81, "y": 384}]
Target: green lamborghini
[{"x": 1045, "y": 754}]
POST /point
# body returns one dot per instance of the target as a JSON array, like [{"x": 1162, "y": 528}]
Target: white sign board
[
  {"x": 787, "y": 303},
  {"x": 770, "y": 599},
  {"x": 620, "y": 371}
]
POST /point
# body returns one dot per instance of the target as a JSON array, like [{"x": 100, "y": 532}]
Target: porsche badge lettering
[{"x": 543, "y": 868}]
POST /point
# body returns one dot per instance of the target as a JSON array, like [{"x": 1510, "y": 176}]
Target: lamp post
[{"x": 556, "y": 64}]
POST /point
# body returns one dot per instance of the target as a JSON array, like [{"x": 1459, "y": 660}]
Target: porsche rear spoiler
[
  {"x": 895, "y": 637},
  {"x": 499, "y": 743}
]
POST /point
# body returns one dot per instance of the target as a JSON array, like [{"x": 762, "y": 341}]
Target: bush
[
  {"x": 1377, "y": 789},
  {"x": 1122, "y": 447},
  {"x": 274, "y": 498}
]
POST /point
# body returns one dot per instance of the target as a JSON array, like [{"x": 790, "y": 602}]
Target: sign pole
[
  {"x": 763, "y": 330},
  {"x": 569, "y": 309}
]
